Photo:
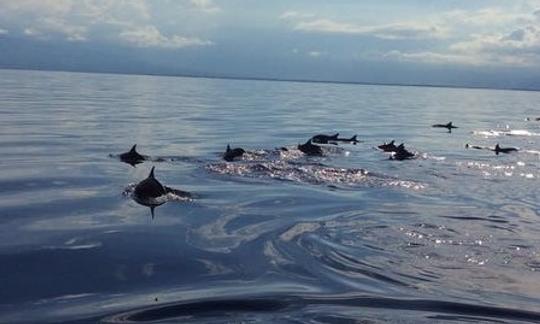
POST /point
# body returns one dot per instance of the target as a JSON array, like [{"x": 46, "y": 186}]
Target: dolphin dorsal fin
[
  {"x": 151, "y": 175},
  {"x": 401, "y": 146},
  {"x": 497, "y": 147},
  {"x": 391, "y": 142},
  {"x": 228, "y": 148},
  {"x": 133, "y": 149},
  {"x": 449, "y": 124},
  {"x": 336, "y": 135}
]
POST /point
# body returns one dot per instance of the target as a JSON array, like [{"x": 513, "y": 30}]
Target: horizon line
[{"x": 249, "y": 78}]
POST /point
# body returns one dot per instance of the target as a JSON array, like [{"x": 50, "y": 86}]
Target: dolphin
[
  {"x": 231, "y": 154},
  {"x": 388, "y": 147},
  {"x": 506, "y": 150},
  {"x": 324, "y": 139},
  {"x": 401, "y": 154},
  {"x": 310, "y": 149},
  {"x": 497, "y": 149},
  {"x": 354, "y": 140},
  {"x": 449, "y": 126},
  {"x": 147, "y": 191},
  {"x": 132, "y": 156},
  {"x": 467, "y": 146},
  {"x": 535, "y": 119},
  {"x": 333, "y": 139}
]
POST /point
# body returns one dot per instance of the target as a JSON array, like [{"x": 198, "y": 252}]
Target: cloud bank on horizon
[{"x": 295, "y": 38}]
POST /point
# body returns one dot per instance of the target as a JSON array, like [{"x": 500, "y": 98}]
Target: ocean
[{"x": 452, "y": 235}]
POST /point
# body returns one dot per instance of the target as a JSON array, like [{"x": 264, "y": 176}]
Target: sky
[{"x": 484, "y": 43}]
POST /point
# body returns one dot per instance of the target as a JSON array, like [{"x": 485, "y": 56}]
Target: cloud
[
  {"x": 403, "y": 30},
  {"x": 432, "y": 57},
  {"x": 288, "y": 15},
  {"x": 150, "y": 36},
  {"x": 483, "y": 17},
  {"x": 54, "y": 25},
  {"x": 521, "y": 47},
  {"x": 45, "y": 7},
  {"x": 206, "y": 6},
  {"x": 129, "y": 21},
  {"x": 315, "y": 54}
]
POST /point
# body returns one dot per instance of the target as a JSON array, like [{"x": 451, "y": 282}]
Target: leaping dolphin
[
  {"x": 310, "y": 149},
  {"x": 231, "y": 154},
  {"x": 333, "y": 139},
  {"x": 150, "y": 189},
  {"x": 388, "y": 147},
  {"x": 448, "y": 126},
  {"x": 132, "y": 156}
]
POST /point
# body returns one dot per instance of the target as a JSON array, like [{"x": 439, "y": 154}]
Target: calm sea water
[{"x": 451, "y": 236}]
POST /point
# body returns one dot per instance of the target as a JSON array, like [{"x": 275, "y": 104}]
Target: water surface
[{"x": 450, "y": 236}]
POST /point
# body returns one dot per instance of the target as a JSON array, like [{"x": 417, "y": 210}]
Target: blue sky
[{"x": 486, "y": 43}]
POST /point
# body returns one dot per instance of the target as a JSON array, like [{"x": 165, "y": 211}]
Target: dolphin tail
[{"x": 151, "y": 175}]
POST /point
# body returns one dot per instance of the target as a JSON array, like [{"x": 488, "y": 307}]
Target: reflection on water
[{"x": 451, "y": 236}]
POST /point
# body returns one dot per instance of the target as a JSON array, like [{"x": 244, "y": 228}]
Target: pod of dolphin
[{"x": 150, "y": 192}]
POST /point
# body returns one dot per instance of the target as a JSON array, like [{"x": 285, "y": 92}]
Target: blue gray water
[{"x": 451, "y": 236}]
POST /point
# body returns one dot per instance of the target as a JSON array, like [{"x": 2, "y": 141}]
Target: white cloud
[
  {"x": 206, "y": 6},
  {"x": 287, "y": 15},
  {"x": 114, "y": 12},
  {"x": 129, "y": 21},
  {"x": 150, "y": 36},
  {"x": 483, "y": 17},
  {"x": 390, "y": 31},
  {"x": 44, "y": 7},
  {"x": 315, "y": 53},
  {"x": 432, "y": 57},
  {"x": 521, "y": 47}
]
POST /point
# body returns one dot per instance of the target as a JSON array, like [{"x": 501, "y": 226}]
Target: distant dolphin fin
[
  {"x": 335, "y": 136},
  {"x": 151, "y": 175},
  {"x": 228, "y": 147},
  {"x": 449, "y": 124},
  {"x": 391, "y": 142},
  {"x": 133, "y": 148}
]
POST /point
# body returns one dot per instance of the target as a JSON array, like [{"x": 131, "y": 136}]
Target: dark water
[{"x": 452, "y": 236}]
